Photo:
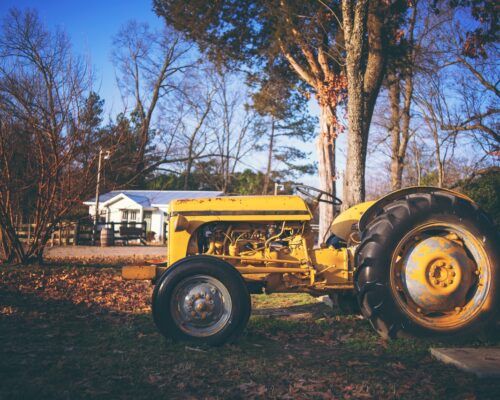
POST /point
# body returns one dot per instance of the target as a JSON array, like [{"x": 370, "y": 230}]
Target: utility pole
[{"x": 98, "y": 183}]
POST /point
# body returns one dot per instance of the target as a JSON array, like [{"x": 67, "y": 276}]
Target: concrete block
[{"x": 483, "y": 362}]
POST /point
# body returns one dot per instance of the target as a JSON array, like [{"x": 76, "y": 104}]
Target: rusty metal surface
[
  {"x": 438, "y": 274},
  {"x": 441, "y": 275}
]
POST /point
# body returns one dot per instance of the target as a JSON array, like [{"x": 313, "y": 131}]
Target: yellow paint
[
  {"x": 343, "y": 224},
  {"x": 201, "y": 211},
  {"x": 242, "y": 204},
  {"x": 441, "y": 275},
  {"x": 138, "y": 272},
  {"x": 332, "y": 266}
]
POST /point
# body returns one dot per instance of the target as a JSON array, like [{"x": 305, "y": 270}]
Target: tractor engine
[
  {"x": 274, "y": 255},
  {"x": 260, "y": 251},
  {"x": 262, "y": 241}
]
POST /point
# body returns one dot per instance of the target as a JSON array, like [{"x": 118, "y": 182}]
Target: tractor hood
[{"x": 279, "y": 207}]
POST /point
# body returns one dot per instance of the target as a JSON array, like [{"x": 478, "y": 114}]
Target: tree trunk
[
  {"x": 189, "y": 165},
  {"x": 405, "y": 123},
  {"x": 395, "y": 131},
  {"x": 187, "y": 176},
  {"x": 13, "y": 249},
  {"x": 418, "y": 166},
  {"x": 354, "y": 184},
  {"x": 362, "y": 29},
  {"x": 439, "y": 162},
  {"x": 408, "y": 94},
  {"x": 267, "y": 178},
  {"x": 326, "y": 151}
]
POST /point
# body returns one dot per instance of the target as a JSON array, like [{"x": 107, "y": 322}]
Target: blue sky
[{"x": 91, "y": 25}]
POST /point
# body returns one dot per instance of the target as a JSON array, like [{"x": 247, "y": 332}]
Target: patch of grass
[
  {"x": 71, "y": 332},
  {"x": 282, "y": 300}
]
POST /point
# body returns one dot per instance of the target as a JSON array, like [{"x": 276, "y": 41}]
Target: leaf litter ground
[{"x": 82, "y": 332}]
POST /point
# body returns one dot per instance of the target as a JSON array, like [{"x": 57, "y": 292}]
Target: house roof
[{"x": 155, "y": 198}]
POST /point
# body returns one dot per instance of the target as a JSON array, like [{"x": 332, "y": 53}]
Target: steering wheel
[{"x": 309, "y": 191}]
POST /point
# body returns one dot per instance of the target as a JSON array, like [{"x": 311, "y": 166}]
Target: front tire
[
  {"x": 428, "y": 266},
  {"x": 202, "y": 300}
]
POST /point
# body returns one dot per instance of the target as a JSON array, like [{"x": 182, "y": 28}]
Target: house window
[
  {"x": 132, "y": 216},
  {"x": 125, "y": 215}
]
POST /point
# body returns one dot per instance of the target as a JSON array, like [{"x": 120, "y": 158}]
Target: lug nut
[{"x": 453, "y": 273}]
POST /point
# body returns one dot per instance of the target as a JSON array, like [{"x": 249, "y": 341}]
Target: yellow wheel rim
[{"x": 440, "y": 275}]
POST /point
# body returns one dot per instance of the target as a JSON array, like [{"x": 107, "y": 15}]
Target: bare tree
[
  {"x": 43, "y": 92},
  {"x": 400, "y": 113},
  {"x": 453, "y": 103},
  {"x": 150, "y": 67},
  {"x": 196, "y": 113},
  {"x": 234, "y": 135}
]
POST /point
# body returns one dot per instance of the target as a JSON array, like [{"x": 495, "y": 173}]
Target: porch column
[{"x": 162, "y": 218}]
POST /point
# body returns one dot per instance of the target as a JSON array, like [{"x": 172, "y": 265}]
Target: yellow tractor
[{"x": 420, "y": 261}]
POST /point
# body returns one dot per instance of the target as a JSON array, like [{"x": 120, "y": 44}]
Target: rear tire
[
  {"x": 428, "y": 266},
  {"x": 202, "y": 300}
]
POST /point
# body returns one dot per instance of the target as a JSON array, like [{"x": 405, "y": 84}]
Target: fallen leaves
[
  {"x": 252, "y": 389},
  {"x": 58, "y": 324},
  {"x": 102, "y": 288}
]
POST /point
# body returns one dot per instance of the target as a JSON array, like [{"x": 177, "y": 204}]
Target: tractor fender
[
  {"x": 347, "y": 221},
  {"x": 376, "y": 207}
]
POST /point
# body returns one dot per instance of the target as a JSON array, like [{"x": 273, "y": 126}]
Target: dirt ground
[
  {"x": 108, "y": 254},
  {"x": 82, "y": 332}
]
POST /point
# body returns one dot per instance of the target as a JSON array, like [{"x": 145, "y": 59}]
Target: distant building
[{"x": 138, "y": 206}]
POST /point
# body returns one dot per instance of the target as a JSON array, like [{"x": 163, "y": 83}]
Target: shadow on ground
[{"x": 64, "y": 337}]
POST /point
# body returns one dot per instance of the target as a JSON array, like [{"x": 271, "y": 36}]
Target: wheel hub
[
  {"x": 202, "y": 305},
  {"x": 437, "y": 274},
  {"x": 443, "y": 275}
]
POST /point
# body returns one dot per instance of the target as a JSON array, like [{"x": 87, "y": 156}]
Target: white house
[{"x": 138, "y": 206}]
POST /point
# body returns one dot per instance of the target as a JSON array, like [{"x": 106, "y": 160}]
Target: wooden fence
[{"x": 84, "y": 233}]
